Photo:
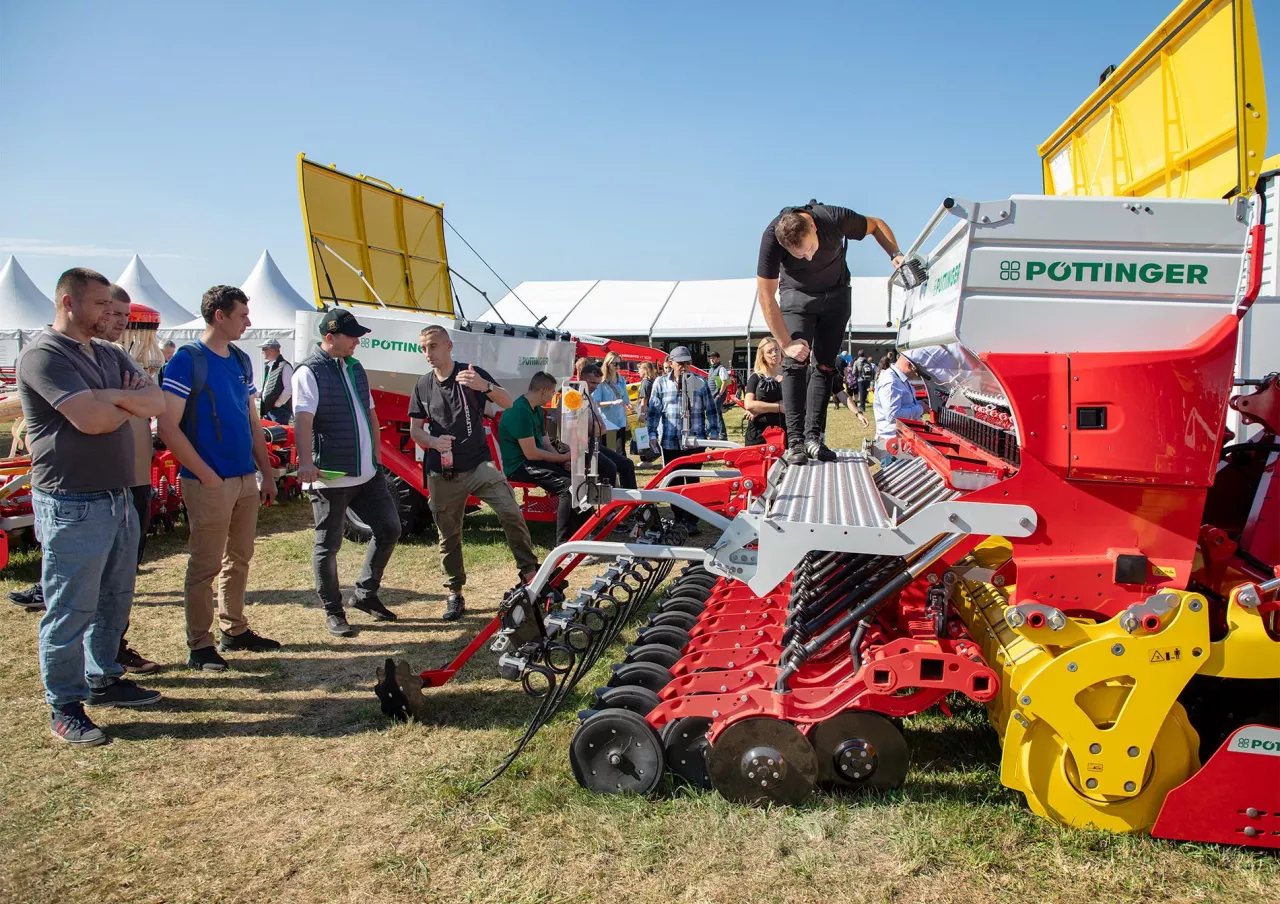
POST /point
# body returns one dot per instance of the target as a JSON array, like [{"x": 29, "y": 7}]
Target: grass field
[{"x": 281, "y": 781}]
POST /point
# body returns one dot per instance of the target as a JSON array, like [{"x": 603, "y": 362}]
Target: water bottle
[{"x": 446, "y": 464}]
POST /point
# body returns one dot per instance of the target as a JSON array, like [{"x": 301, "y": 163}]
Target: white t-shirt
[{"x": 306, "y": 398}]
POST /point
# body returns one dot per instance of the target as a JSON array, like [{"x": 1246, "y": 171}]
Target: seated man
[
  {"x": 527, "y": 453},
  {"x": 614, "y": 467}
]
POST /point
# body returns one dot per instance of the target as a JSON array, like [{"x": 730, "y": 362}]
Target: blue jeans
[{"x": 90, "y": 543}]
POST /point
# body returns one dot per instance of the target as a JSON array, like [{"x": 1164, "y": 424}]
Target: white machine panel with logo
[
  {"x": 1055, "y": 274},
  {"x": 393, "y": 361}
]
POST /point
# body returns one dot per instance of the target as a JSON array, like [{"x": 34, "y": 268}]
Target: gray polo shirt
[{"x": 52, "y": 370}]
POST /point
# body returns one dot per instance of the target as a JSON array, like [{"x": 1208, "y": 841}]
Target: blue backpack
[{"x": 200, "y": 386}]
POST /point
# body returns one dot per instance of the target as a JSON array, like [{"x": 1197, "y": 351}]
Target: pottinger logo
[
  {"x": 533, "y": 362},
  {"x": 1105, "y": 272}
]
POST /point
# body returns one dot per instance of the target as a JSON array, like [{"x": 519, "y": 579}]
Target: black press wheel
[
  {"x": 616, "y": 751},
  {"x": 686, "y": 746},
  {"x": 640, "y": 700},
  {"x": 653, "y": 652},
  {"x": 682, "y": 604},
  {"x": 682, "y": 620},
  {"x": 666, "y": 635},
  {"x": 650, "y": 675}
]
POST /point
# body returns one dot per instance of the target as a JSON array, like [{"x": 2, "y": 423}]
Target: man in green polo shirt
[{"x": 528, "y": 456}]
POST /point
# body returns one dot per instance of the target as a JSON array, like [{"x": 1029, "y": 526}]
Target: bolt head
[
  {"x": 1095, "y": 748},
  {"x": 1072, "y": 667},
  {"x": 1091, "y": 784},
  {"x": 1024, "y": 700},
  {"x": 1130, "y": 787},
  {"x": 1133, "y": 751},
  {"x": 1117, "y": 649}
]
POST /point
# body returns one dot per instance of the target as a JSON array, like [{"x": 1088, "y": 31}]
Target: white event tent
[
  {"x": 24, "y": 311},
  {"x": 273, "y": 302},
  {"x": 657, "y": 312},
  {"x": 143, "y": 288}
]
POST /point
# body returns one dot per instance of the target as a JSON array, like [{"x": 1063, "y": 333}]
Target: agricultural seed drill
[{"x": 1072, "y": 538}]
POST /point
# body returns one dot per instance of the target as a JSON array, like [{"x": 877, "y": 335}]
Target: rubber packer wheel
[
  {"x": 686, "y": 747},
  {"x": 682, "y": 620},
  {"x": 640, "y": 674},
  {"x": 682, "y": 604},
  {"x": 653, "y": 652},
  {"x": 639, "y": 700},
  {"x": 665, "y": 635},
  {"x": 763, "y": 761},
  {"x": 616, "y": 751},
  {"x": 860, "y": 750}
]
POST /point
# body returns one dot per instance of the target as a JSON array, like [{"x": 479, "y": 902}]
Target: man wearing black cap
[
  {"x": 277, "y": 384},
  {"x": 336, "y": 433},
  {"x": 804, "y": 249}
]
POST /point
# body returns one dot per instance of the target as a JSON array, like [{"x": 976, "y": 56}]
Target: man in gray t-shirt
[{"x": 78, "y": 394}]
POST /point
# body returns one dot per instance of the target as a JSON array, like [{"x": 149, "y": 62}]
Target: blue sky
[{"x": 568, "y": 140}]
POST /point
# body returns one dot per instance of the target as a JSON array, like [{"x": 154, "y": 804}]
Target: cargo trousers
[{"x": 448, "y": 503}]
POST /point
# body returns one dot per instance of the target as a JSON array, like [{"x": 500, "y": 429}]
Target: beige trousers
[{"x": 223, "y": 522}]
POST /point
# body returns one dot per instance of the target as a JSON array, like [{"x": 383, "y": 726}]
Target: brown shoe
[{"x": 133, "y": 661}]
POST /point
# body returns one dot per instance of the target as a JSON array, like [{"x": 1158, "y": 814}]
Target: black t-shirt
[
  {"x": 452, "y": 410},
  {"x": 765, "y": 389},
  {"x": 801, "y": 280}
]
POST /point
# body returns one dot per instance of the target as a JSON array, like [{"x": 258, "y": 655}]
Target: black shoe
[
  {"x": 247, "y": 642},
  {"x": 371, "y": 605},
  {"x": 454, "y": 607},
  {"x": 122, "y": 692},
  {"x": 31, "y": 599},
  {"x": 69, "y": 723},
  {"x": 338, "y": 627},
  {"x": 796, "y": 455},
  {"x": 815, "y": 449},
  {"x": 206, "y": 659}
]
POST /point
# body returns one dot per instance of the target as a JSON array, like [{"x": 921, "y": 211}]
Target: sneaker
[
  {"x": 206, "y": 659},
  {"x": 371, "y": 605},
  {"x": 135, "y": 662},
  {"x": 31, "y": 599},
  {"x": 454, "y": 606},
  {"x": 796, "y": 455},
  {"x": 338, "y": 627},
  {"x": 122, "y": 692},
  {"x": 815, "y": 449},
  {"x": 70, "y": 724},
  {"x": 248, "y": 642}
]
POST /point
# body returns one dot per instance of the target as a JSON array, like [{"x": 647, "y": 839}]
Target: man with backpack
[
  {"x": 859, "y": 377},
  {"x": 210, "y": 424},
  {"x": 802, "y": 253}
]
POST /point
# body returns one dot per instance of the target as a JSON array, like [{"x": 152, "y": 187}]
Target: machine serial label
[
  {"x": 1167, "y": 654},
  {"x": 1105, "y": 272},
  {"x": 1256, "y": 739}
]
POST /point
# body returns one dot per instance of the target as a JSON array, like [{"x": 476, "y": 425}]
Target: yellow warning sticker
[
  {"x": 1166, "y": 654},
  {"x": 1163, "y": 571}
]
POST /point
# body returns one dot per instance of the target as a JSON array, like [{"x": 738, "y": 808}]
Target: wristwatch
[{"x": 893, "y": 254}]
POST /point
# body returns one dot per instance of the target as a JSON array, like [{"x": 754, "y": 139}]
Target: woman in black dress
[{"x": 764, "y": 391}]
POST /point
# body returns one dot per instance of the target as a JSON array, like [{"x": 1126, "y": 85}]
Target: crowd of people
[{"x": 88, "y": 405}]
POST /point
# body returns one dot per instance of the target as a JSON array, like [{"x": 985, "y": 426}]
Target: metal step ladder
[{"x": 841, "y": 506}]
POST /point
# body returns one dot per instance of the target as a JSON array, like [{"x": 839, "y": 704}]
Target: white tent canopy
[
  {"x": 272, "y": 301},
  {"x": 688, "y": 309},
  {"x": 22, "y": 305},
  {"x": 144, "y": 289}
]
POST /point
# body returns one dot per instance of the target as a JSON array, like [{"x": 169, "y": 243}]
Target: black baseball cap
[{"x": 342, "y": 322}]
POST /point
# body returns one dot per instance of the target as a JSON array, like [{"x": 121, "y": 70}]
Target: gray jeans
[{"x": 372, "y": 503}]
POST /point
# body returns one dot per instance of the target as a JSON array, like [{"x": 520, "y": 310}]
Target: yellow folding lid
[
  {"x": 1184, "y": 116},
  {"x": 369, "y": 242}
]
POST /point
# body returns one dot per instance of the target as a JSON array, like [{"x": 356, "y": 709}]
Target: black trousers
[
  {"x": 617, "y": 469},
  {"x": 142, "y": 502},
  {"x": 555, "y": 479},
  {"x": 863, "y": 386},
  {"x": 668, "y": 456},
  {"x": 372, "y": 502},
  {"x": 806, "y": 386}
]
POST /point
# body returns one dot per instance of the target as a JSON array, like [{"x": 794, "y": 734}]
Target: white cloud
[{"x": 10, "y": 245}]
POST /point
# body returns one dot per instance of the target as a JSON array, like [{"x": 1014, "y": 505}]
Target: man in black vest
[
  {"x": 277, "y": 384},
  {"x": 336, "y": 433},
  {"x": 803, "y": 248}
]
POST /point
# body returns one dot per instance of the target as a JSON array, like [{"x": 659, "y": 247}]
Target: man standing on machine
[{"x": 803, "y": 249}]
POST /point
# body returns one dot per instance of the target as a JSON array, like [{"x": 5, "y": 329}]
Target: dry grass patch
[{"x": 280, "y": 781}]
